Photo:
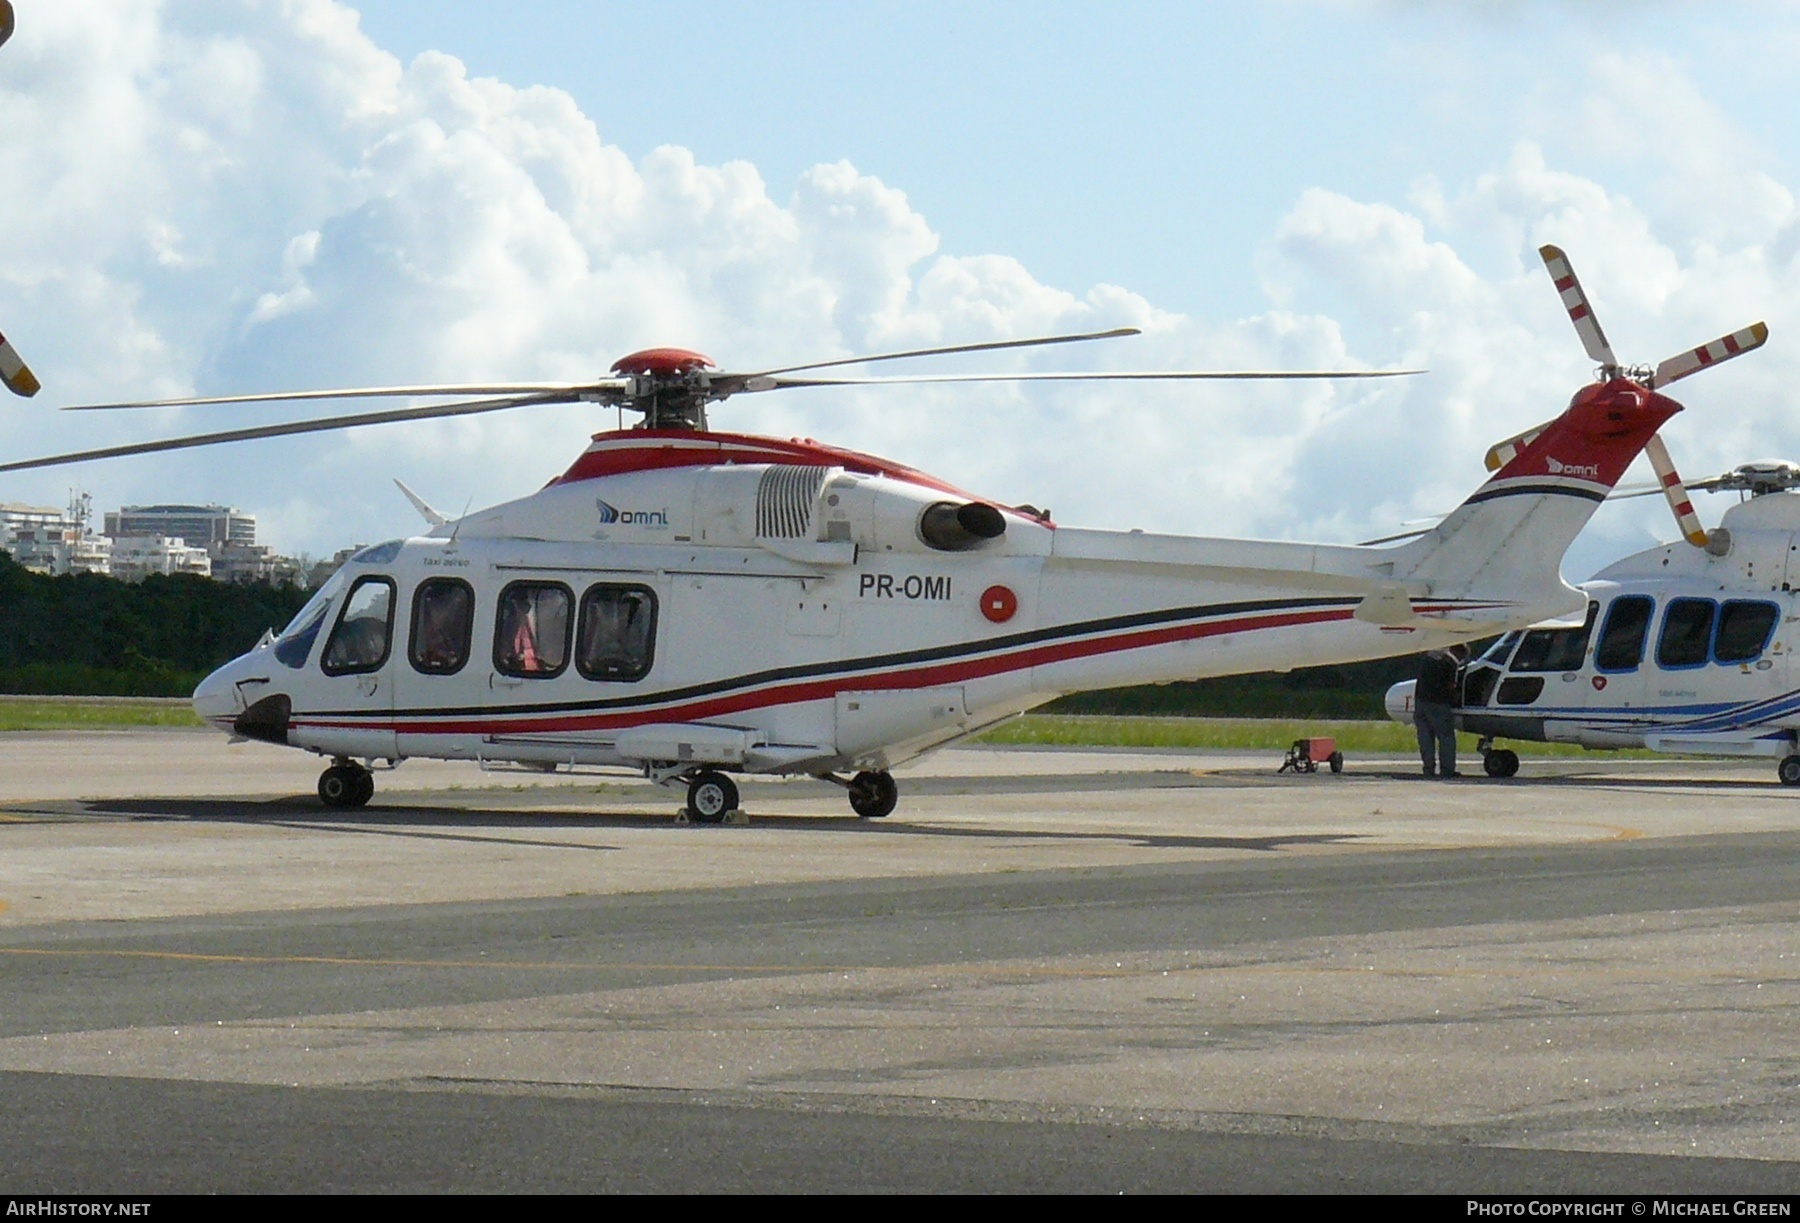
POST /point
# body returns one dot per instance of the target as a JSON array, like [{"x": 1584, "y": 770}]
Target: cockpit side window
[
  {"x": 1621, "y": 645},
  {"x": 443, "y": 620},
  {"x": 1686, "y": 633},
  {"x": 618, "y": 633},
  {"x": 359, "y": 640},
  {"x": 531, "y": 632},
  {"x": 1744, "y": 629},
  {"x": 1555, "y": 649}
]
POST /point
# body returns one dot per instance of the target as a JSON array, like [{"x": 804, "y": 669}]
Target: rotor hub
[{"x": 670, "y": 386}]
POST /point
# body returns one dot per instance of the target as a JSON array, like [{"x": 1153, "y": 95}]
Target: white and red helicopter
[
  {"x": 1694, "y": 638},
  {"x": 691, "y": 604}
]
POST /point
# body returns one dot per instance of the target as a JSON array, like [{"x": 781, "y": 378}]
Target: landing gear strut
[
  {"x": 873, "y": 795},
  {"x": 346, "y": 784}
]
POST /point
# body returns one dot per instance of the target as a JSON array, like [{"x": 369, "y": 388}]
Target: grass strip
[
  {"x": 1234, "y": 734},
  {"x": 28, "y": 713}
]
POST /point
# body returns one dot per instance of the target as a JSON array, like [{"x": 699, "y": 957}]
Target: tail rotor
[{"x": 1598, "y": 349}]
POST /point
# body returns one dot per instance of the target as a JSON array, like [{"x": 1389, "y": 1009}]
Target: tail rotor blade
[
  {"x": 1722, "y": 349},
  {"x": 1581, "y": 313},
  {"x": 13, "y": 371},
  {"x": 1502, "y": 453},
  {"x": 1673, "y": 489}
]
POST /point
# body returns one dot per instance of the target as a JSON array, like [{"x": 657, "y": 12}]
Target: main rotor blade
[
  {"x": 13, "y": 371},
  {"x": 989, "y": 346},
  {"x": 428, "y": 412},
  {"x": 1679, "y": 504},
  {"x": 774, "y": 382},
  {"x": 572, "y": 389},
  {"x": 1722, "y": 349},
  {"x": 1581, "y": 313}
]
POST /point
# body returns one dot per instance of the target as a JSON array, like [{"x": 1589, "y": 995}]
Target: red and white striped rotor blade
[
  {"x": 1675, "y": 491},
  {"x": 15, "y": 373},
  {"x": 1502, "y": 453},
  {"x": 1581, "y": 313},
  {"x": 1722, "y": 349}
]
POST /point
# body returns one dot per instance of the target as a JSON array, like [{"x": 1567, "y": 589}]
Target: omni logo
[
  {"x": 1590, "y": 471},
  {"x": 611, "y": 515}
]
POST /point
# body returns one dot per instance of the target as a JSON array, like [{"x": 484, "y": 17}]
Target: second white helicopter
[{"x": 1685, "y": 647}]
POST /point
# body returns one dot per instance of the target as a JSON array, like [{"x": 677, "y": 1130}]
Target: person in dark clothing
[{"x": 1434, "y": 710}]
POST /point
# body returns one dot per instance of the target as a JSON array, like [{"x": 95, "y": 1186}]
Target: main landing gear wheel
[
  {"x": 1336, "y": 760},
  {"x": 1789, "y": 770},
  {"x": 710, "y": 796},
  {"x": 346, "y": 785},
  {"x": 873, "y": 795},
  {"x": 1501, "y": 762}
]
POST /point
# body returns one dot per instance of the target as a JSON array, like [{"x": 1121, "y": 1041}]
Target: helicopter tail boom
[{"x": 1508, "y": 538}]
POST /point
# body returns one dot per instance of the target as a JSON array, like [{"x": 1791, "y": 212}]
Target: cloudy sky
[{"x": 215, "y": 196}]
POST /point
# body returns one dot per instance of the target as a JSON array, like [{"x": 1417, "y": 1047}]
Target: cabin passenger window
[
  {"x": 1686, "y": 632},
  {"x": 1744, "y": 628},
  {"x": 618, "y": 633},
  {"x": 531, "y": 633},
  {"x": 1502, "y": 649},
  {"x": 359, "y": 640},
  {"x": 1555, "y": 649},
  {"x": 1621, "y": 645},
  {"x": 443, "y": 619}
]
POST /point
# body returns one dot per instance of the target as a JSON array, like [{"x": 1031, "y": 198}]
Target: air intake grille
[{"x": 785, "y": 497}]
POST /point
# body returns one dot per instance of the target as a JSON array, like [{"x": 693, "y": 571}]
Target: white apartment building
[{"x": 136, "y": 557}]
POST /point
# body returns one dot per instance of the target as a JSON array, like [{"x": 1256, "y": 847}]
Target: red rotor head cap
[{"x": 662, "y": 361}]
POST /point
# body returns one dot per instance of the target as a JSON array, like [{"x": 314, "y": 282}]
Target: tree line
[{"x": 90, "y": 635}]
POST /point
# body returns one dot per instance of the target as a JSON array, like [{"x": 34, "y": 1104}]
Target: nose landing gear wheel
[
  {"x": 710, "y": 796},
  {"x": 1789, "y": 770},
  {"x": 873, "y": 795},
  {"x": 346, "y": 785},
  {"x": 1501, "y": 762}
]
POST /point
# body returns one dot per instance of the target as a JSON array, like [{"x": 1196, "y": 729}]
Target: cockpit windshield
[
  {"x": 1502, "y": 649},
  {"x": 296, "y": 640},
  {"x": 1555, "y": 649}
]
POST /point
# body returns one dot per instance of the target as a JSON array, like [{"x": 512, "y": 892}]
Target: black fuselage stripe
[{"x": 1537, "y": 490}]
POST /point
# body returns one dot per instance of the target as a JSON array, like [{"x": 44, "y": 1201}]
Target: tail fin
[{"x": 1505, "y": 544}]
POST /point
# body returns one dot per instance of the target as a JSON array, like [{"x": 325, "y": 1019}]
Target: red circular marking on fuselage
[
  {"x": 1599, "y": 682},
  {"x": 999, "y": 604}
]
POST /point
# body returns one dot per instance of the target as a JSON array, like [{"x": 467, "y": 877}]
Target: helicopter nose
[{"x": 216, "y": 699}]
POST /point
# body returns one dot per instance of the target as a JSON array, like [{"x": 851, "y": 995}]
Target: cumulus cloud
[{"x": 222, "y": 196}]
